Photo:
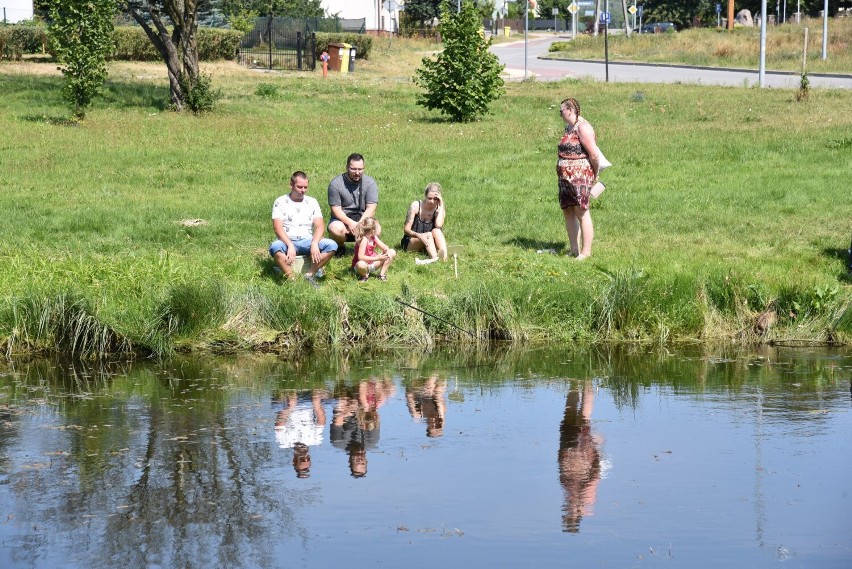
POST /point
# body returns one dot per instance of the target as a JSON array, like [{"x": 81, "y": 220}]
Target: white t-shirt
[
  {"x": 297, "y": 217},
  {"x": 301, "y": 427}
]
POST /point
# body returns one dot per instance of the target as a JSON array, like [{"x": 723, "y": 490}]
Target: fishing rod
[{"x": 472, "y": 335}]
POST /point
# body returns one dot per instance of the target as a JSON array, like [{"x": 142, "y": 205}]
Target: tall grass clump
[
  {"x": 479, "y": 313},
  {"x": 188, "y": 309},
  {"x": 65, "y": 323},
  {"x": 621, "y": 309}
]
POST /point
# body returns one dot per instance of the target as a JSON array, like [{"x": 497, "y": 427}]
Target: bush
[
  {"x": 131, "y": 44},
  {"x": 216, "y": 44},
  {"x": 15, "y": 41},
  {"x": 200, "y": 95},
  {"x": 363, "y": 43}
]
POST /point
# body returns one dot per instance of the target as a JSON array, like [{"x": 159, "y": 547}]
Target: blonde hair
[
  {"x": 433, "y": 187},
  {"x": 366, "y": 225}
]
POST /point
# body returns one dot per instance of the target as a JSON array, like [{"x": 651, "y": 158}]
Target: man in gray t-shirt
[{"x": 351, "y": 196}]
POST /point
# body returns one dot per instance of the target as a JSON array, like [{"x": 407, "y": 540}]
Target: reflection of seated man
[
  {"x": 579, "y": 458},
  {"x": 426, "y": 404},
  {"x": 300, "y": 425},
  {"x": 355, "y": 422}
]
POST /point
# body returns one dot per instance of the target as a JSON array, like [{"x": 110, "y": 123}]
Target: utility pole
[
  {"x": 761, "y": 73},
  {"x": 731, "y": 14}
]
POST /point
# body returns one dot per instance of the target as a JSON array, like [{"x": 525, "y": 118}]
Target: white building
[
  {"x": 375, "y": 12},
  {"x": 16, "y": 10}
]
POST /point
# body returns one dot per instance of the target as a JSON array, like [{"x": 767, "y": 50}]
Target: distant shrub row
[
  {"x": 15, "y": 41},
  {"x": 362, "y": 42},
  {"x": 129, "y": 43}
]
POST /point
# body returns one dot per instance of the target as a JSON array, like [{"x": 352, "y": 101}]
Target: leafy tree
[
  {"x": 465, "y": 77},
  {"x": 486, "y": 8},
  {"x": 515, "y": 10},
  {"x": 686, "y": 13},
  {"x": 80, "y": 33},
  {"x": 422, "y": 11},
  {"x": 283, "y": 8}
]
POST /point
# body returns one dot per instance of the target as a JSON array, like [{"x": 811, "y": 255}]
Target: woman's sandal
[{"x": 383, "y": 277}]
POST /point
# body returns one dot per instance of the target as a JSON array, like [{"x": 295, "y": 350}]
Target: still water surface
[{"x": 539, "y": 458}]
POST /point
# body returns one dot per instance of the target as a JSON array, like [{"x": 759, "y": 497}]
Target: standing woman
[
  {"x": 577, "y": 170},
  {"x": 424, "y": 224}
]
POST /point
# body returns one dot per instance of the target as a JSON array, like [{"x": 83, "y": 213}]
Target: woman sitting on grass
[
  {"x": 423, "y": 226},
  {"x": 366, "y": 260}
]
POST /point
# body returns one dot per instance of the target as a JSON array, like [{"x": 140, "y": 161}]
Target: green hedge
[
  {"x": 131, "y": 44},
  {"x": 362, "y": 42},
  {"x": 15, "y": 41}
]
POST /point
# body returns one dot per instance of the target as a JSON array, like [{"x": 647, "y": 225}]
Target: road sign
[
  {"x": 605, "y": 17},
  {"x": 632, "y": 9},
  {"x": 718, "y": 8},
  {"x": 639, "y": 8},
  {"x": 573, "y": 8}
]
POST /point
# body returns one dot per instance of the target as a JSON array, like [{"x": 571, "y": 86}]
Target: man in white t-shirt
[{"x": 298, "y": 224}]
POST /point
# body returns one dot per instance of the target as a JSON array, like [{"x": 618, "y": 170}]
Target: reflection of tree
[
  {"x": 425, "y": 399},
  {"x": 169, "y": 475},
  {"x": 579, "y": 458}
]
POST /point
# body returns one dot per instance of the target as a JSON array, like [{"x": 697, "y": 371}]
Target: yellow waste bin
[
  {"x": 507, "y": 30},
  {"x": 345, "y": 48}
]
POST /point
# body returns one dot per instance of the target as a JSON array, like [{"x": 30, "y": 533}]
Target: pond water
[{"x": 698, "y": 457}]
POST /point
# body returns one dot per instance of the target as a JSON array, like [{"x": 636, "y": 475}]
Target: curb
[{"x": 700, "y": 67}]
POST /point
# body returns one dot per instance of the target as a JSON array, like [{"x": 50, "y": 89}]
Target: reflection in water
[
  {"x": 425, "y": 399},
  {"x": 579, "y": 457},
  {"x": 180, "y": 463},
  {"x": 300, "y": 425},
  {"x": 355, "y": 423}
]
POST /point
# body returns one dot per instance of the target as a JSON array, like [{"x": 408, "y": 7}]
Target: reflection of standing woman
[
  {"x": 579, "y": 458},
  {"x": 577, "y": 169}
]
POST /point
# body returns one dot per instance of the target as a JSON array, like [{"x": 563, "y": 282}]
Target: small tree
[
  {"x": 80, "y": 33},
  {"x": 464, "y": 78}
]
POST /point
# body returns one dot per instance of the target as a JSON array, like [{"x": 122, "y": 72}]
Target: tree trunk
[{"x": 179, "y": 48}]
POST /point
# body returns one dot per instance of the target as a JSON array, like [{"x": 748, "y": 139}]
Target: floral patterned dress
[{"x": 573, "y": 170}]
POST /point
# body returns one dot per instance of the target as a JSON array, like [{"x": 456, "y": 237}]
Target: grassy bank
[
  {"x": 721, "y": 201},
  {"x": 739, "y": 48}
]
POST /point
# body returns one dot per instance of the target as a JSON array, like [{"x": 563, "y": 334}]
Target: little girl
[{"x": 366, "y": 260}]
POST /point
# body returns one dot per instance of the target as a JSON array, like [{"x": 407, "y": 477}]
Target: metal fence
[{"x": 275, "y": 44}]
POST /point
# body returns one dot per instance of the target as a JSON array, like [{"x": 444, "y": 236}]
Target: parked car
[{"x": 657, "y": 28}]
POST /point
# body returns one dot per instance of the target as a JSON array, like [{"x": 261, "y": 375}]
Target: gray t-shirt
[{"x": 352, "y": 197}]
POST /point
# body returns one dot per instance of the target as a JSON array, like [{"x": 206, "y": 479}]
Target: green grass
[
  {"x": 738, "y": 48},
  {"x": 720, "y": 200}
]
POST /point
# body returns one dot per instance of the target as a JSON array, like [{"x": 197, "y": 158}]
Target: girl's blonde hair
[
  {"x": 366, "y": 225},
  {"x": 433, "y": 187}
]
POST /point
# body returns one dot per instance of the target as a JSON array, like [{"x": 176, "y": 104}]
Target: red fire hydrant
[{"x": 325, "y": 57}]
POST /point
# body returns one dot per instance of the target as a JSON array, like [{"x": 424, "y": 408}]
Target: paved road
[{"x": 512, "y": 55}]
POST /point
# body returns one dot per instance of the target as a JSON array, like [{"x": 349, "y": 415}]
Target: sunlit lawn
[{"x": 708, "y": 183}]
